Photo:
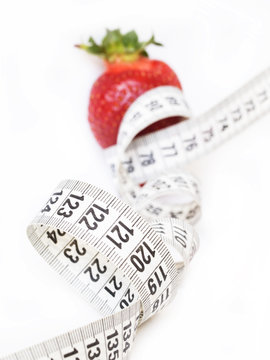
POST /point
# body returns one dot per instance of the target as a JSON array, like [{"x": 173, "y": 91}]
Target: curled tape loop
[
  {"x": 155, "y": 197},
  {"x": 120, "y": 260}
]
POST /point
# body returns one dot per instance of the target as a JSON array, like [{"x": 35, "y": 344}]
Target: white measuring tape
[{"x": 124, "y": 263}]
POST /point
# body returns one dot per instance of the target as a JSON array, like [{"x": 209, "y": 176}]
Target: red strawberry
[{"x": 129, "y": 73}]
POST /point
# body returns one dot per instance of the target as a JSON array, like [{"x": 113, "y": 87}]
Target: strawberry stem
[{"x": 116, "y": 46}]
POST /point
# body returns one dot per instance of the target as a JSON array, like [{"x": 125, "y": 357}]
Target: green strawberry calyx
[{"x": 118, "y": 47}]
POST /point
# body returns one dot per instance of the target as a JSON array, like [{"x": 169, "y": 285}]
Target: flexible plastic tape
[{"x": 121, "y": 260}]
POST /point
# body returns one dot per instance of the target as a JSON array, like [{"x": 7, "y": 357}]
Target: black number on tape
[
  {"x": 112, "y": 345},
  {"x": 129, "y": 165},
  {"x": 80, "y": 252},
  {"x": 70, "y": 204},
  {"x": 176, "y": 214},
  {"x": 208, "y": 135},
  {"x": 140, "y": 260},
  {"x": 250, "y": 106},
  {"x": 170, "y": 151},
  {"x": 114, "y": 355},
  {"x": 115, "y": 284},
  {"x": 156, "y": 280},
  {"x": 136, "y": 116},
  {"x": 53, "y": 199},
  {"x": 129, "y": 297},
  {"x": 153, "y": 210},
  {"x": 154, "y": 105},
  {"x": 236, "y": 114},
  {"x": 92, "y": 213},
  {"x": 121, "y": 235},
  {"x": 172, "y": 100},
  {"x": 72, "y": 353},
  {"x": 263, "y": 96},
  {"x": 52, "y": 235},
  {"x": 161, "y": 300},
  {"x": 192, "y": 213},
  {"x": 148, "y": 159},
  {"x": 161, "y": 184},
  {"x": 192, "y": 143},
  {"x": 95, "y": 276},
  {"x": 224, "y": 123},
  {"x": 126, "y": 336},
  {"x": 181, "y": 236},
  {"x": 95, "y": 350}
]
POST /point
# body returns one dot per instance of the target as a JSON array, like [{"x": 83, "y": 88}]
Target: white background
[{"x": 222, "y": 308}]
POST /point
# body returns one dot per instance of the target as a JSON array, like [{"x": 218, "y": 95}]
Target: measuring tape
[{"x": 127, "y": 257}]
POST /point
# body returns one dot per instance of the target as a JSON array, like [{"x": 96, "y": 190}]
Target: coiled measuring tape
[{"x": 122, "y": 258}]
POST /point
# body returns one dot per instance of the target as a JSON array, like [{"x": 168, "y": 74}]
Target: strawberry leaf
[{"x": 116, "y": 46}]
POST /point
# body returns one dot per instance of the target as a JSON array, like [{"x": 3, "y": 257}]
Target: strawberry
[{"x": 129, "y": 73}]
